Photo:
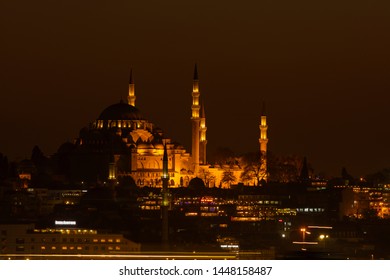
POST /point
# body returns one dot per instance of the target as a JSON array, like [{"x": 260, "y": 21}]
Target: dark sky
[{"x": 323, "y": 68}]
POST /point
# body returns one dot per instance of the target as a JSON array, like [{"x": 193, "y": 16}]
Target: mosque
[{"x": 122, "y": 143}]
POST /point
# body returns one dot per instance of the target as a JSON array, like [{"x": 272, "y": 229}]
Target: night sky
[{"x": 322, "y": 67}]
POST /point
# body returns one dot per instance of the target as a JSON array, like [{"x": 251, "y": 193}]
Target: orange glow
[{"x": 263, "y": 121}]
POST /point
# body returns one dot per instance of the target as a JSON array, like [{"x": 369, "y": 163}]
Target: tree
[
  {"x": 3, "y": 167},
  {"x": 304, "y": 176},
  {"x": 207, "y": 177},
  {"x": 228, "y": 177},
  {"x": 37, "y": 157},
  {"x": 382, "y": 176},
  {"x": 370, "y": 214},
  {"x": 223, "y": 156},
  {"x": 283, "y": 169},
  {"x": 347, "y": 178},
  {"x": 254, "y": 171}
]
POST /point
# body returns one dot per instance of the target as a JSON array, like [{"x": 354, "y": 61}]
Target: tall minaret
[
  {"x": 263, "y": 140},
  {"x": 195, "y": 121},
  {"x": 131, "y": 96},
  {"x": 203, "y": 140},
  {"x": 165, "y": 200}
]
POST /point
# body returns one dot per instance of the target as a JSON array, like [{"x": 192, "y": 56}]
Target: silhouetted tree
[
  {"x": 223, "y": 156},
  {"x": 62, "y": 159},
  {"x": 304, "y": 176},
  {"x": 42, "y": 177},
  {"x": 253, "y": 171},
  {"x": 347, "y": 178},
  {"x": 207, "y": 177},
  {"x": 228, "y": 177},
  {"x": 3, "y": 167},
  {"x": 37, "y": 156},
  {"x": 379, "y": 177},
  {"x": 370, "y": 214},
  {"x": 283, "y": 169}
]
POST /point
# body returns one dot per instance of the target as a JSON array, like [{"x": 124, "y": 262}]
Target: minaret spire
[
  {"x": 263, "y": 109},
  {"x": 196, "y": 78},
  {"x": 131, "y": 96},
  {"x": 263, "y": 140},
  {"x": 195, "y": 121}
]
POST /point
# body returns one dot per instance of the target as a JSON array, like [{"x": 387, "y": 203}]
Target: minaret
[
  {"x": 263, "y": 140},
  {"x": 203, "y": 140},
  {"x": 131, "y": 96},
  {"x": 165, "y": 201},
  {"x": 195, "y": 121}
]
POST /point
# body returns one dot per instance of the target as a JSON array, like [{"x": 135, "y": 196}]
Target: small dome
[
  {"x": 66, "y": 148},
  {"x": 120, "y": 111},
  {"x": 196, "y": 183}
]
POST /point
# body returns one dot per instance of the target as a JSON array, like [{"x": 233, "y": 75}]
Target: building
[
  {"x": 26, "y": 241},
  {"x": 122, "y": 143}
]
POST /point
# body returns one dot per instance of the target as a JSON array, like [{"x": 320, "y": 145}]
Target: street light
[
  {"x": 303, "y": 230},
  {"x": 323, "y": 237}
]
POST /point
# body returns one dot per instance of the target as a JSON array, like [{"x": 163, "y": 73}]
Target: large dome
[{"x": 120, "y": 111}]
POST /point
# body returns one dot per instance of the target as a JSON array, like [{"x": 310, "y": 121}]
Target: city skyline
[{"x": 322, "y": 70}]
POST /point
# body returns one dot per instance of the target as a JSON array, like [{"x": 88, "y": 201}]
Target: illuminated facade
[
  {"x": 122, "y": 143},
  {"x": 25, "y": 239}
]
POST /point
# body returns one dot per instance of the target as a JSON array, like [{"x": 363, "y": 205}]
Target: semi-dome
[{"x": 120, "y": 111}]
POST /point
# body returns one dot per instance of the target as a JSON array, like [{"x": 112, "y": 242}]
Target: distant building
[{"x": 26, "y": 240}]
